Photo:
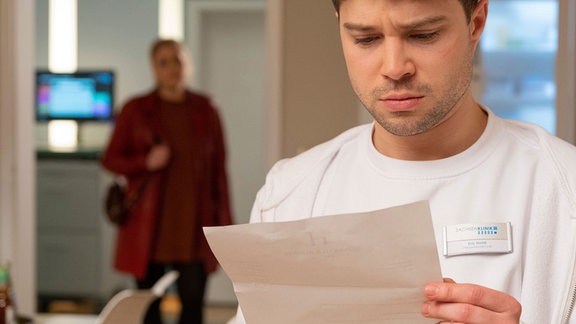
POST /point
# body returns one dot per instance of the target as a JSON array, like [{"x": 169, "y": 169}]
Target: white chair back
[{"x": 131, "y": 305}]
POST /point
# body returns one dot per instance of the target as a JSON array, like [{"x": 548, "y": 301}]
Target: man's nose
[{"x": 396, "y": 62}]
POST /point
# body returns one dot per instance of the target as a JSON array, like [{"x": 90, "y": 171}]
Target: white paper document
[{"x": 360, "y": 268}]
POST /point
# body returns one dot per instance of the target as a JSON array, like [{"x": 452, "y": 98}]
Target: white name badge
[{"x": 478, "y": 238}]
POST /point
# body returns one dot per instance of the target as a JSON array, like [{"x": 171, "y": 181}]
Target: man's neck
[{"x": 453, "y": 136}]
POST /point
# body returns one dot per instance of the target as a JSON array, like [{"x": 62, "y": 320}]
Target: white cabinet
[{"x": 74, "y": 241}]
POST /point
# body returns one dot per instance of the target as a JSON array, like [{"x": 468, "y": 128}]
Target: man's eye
[
  {"x": 365, "y": 40},
  {"x": 425, "y": 37}
]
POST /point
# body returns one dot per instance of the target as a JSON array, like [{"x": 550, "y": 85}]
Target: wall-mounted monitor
[{"x": 79, "y": 96}]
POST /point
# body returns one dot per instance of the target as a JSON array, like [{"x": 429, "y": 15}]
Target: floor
[
  {"x": 219, "y": 314},
  {"x": 213, "y": 314},
  {"x": 170, "y": 306}
]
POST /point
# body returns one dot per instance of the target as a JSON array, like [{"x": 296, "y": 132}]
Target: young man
[{"x": 410, "y": 63}]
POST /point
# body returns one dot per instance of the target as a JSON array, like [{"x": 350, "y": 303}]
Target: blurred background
[
  {"x": 518, "y": 55},
  {"x": 275, "y": 69}
]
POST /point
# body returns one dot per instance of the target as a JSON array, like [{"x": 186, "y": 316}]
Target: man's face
[
  {"x": 409, "y": 61},
  {"x": 169, "y": 67}
]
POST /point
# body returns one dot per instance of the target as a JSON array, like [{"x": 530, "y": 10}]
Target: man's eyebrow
[
  {"x": 407, "y": 27},
  {"x": 358, "y": 27},
  {"x": 423, "y": 23}
]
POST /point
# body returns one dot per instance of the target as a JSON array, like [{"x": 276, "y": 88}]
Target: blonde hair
[{"x": 159, "y": 43}]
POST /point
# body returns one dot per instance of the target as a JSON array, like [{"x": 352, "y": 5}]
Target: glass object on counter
[
  {"x": 7, "y": 315},
  {"x": 518, "y": 51}
]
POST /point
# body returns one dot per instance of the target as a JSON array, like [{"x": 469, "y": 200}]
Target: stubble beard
[{"x": 407, "y": 123}]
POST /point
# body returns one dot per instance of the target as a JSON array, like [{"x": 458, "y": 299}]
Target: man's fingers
[
  {"x": 463, "y": 313},
  {"x": 493, "y": 300}
]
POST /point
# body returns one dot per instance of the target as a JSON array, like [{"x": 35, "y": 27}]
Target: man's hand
[
  {"x": 469, "y": 304},
  {"x": 158, "y": 157}
]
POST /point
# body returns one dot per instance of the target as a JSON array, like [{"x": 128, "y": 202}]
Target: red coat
[{"x": 137, "y": 129}]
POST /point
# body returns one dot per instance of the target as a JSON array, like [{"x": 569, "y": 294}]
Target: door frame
[
  {"x": 17, "y": 158},
  {"x": 566, "y": 71},
  {"x": 272, "y": 10}
]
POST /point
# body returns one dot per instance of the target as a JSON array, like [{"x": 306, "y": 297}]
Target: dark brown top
[{"x": 178, "y": 213}]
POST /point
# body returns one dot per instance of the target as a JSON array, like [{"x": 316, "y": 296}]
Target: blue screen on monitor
[{"x": 83, "y": 95}]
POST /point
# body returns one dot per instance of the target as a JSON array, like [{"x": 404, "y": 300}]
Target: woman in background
[{"x": 169, "y": 145}]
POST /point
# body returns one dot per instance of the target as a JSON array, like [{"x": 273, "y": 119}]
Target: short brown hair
[{"x": 468, "y": 5}]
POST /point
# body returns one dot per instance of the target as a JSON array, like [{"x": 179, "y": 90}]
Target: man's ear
[{"x": 478, "y": 20}]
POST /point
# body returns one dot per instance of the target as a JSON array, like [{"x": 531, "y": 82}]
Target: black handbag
[{"x": 117, "y": 205}]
